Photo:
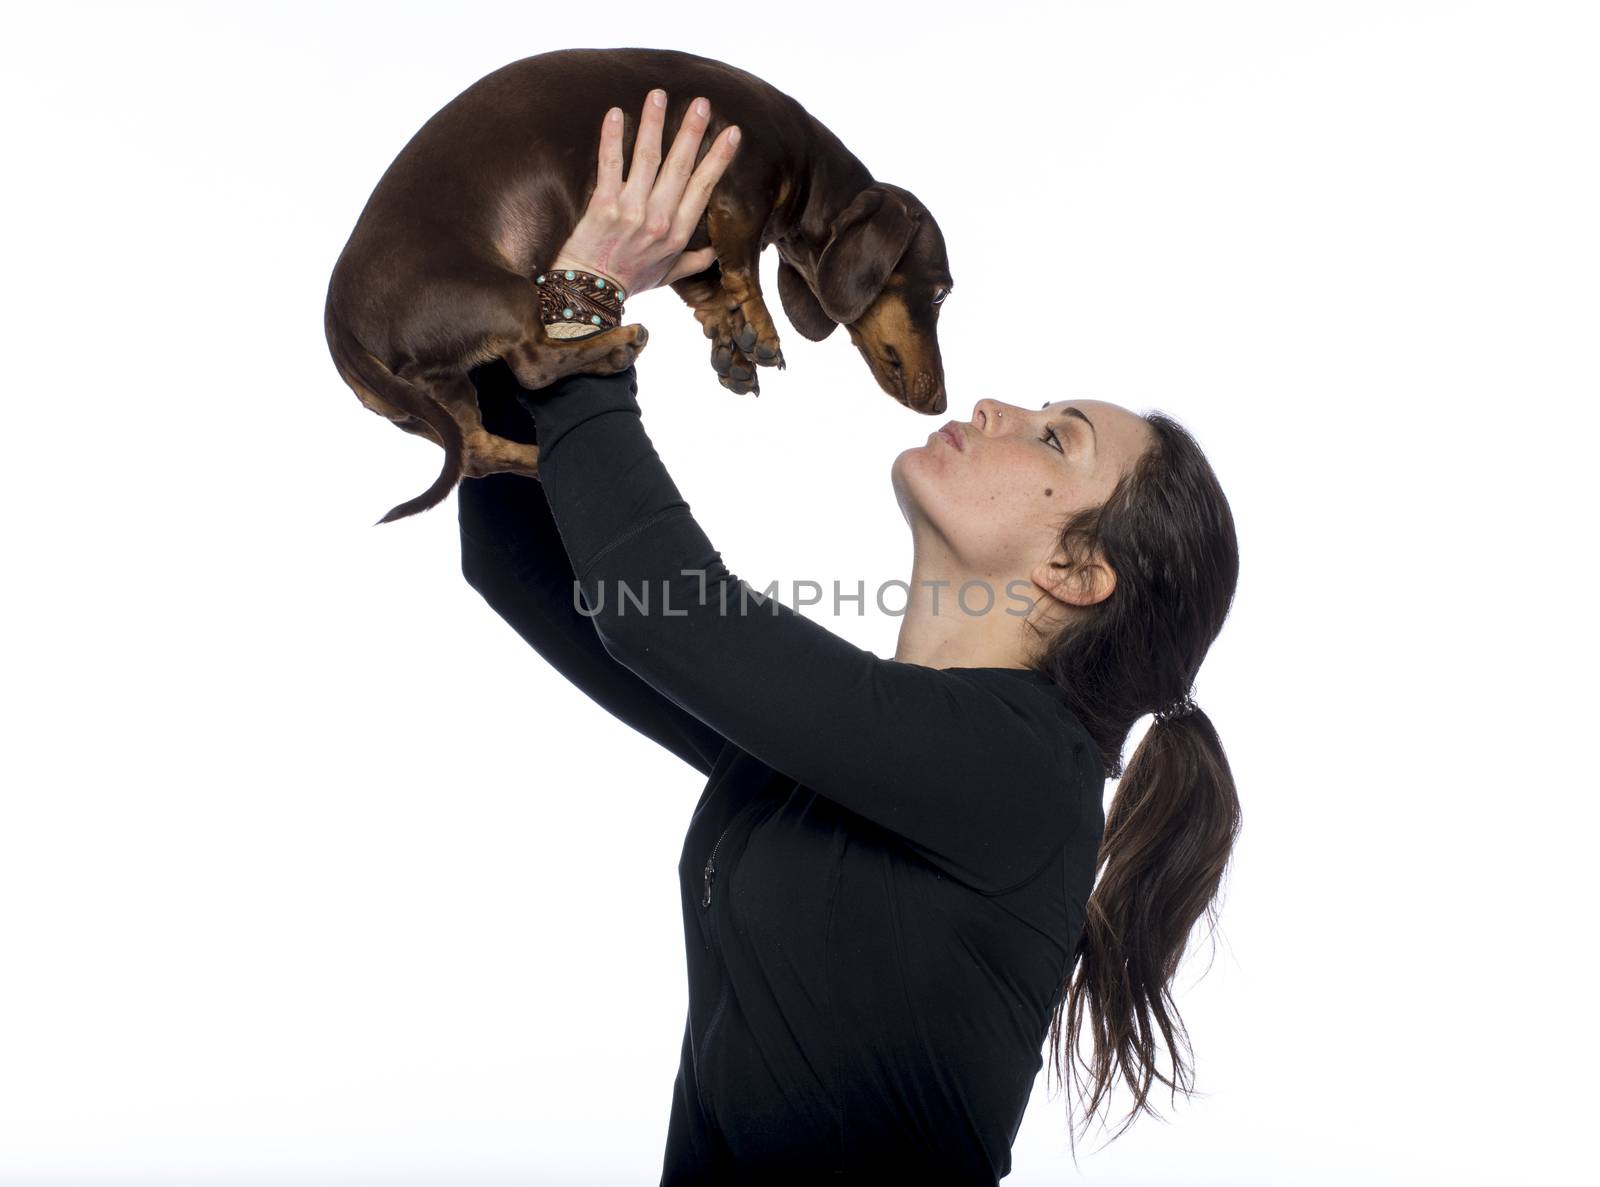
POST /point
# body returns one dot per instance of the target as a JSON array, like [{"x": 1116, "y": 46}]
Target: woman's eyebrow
[{"x": 1071, "y": 411}]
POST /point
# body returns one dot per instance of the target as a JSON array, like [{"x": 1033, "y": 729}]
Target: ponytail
[{"x": 1167, "y": 840}]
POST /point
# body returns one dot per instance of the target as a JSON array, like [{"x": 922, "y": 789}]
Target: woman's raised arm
[{"x": 512, "y": 554}]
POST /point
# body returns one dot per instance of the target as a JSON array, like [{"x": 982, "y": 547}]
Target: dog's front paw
[
  {"x": 741, "y": 387},
  {"x": 734, "y": 369},
  {"x": 765, "y": 351}
]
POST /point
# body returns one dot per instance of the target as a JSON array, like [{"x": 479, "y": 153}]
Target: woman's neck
[{"x": 957, "y": 619}]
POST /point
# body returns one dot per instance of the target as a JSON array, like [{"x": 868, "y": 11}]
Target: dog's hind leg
[
  {"x": 539, "y": 360},
  {"x": 482, "y": 452}
]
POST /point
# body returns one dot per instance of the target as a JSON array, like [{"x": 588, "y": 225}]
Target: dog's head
[{"x": 883, "y": 275}]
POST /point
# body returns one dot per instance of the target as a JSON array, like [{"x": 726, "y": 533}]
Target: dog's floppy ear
[
  {"x": 869, "y": 237},
  {"x": 800, "y": 304}
]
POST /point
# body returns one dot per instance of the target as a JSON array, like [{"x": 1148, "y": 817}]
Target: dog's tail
[{"x": 361, "y": 369}]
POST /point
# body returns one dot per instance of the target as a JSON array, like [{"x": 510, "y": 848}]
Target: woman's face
[{"x": 991, "y": 503}]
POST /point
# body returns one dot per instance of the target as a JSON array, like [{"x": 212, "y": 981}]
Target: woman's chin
[
  {"x": 917, "y": 478},
  {"x": 907, "y": 463}
]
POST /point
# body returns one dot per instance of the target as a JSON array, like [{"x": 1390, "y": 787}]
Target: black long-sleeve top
[{"x": 885, "y": 877}]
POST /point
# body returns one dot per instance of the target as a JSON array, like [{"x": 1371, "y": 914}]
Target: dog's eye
[{"x": 939, "y": 296}]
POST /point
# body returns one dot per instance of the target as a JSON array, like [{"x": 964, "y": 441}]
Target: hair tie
[{"x": 1181, "y": 707}]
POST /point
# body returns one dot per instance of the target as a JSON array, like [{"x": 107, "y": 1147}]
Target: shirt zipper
[
  {"x": 711, "y": 868},
  {"x": 722, "y": 996}
]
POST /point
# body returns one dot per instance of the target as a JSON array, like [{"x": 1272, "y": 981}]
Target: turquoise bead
[
  {"x": 566, "y": 312},
  {"x": 569, "y": 273},
  {"x": 539, "y": 279},
  {"x": 599, "y": 283},
  {"x": 595, "y": 318}
]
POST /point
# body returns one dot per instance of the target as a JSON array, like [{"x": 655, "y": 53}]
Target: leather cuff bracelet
[{"x": 584, "y": 298}]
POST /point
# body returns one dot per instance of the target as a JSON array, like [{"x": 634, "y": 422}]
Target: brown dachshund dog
[{"x": 437, "y": 277}]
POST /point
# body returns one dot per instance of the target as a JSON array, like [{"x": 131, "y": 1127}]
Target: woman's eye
[{"x": 1050, "y": 435}]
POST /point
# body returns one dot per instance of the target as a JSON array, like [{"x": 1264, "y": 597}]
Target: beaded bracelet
[{"x": 582, "y": 298}]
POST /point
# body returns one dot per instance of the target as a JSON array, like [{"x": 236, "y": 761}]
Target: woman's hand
[{"x": 634, "y": 233}]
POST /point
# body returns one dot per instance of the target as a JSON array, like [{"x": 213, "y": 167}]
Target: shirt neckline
[
  {"x": 1025, "y": 671},
  {"x": 1033, "y": 672}
]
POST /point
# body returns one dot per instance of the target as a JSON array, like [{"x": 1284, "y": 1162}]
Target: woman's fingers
[
  {"x": 608, "y": 179},
  {"x": 674, "y": 177},
  {"x": 637, "y": 226},
  {"x": 646, "y": 151},
  {"x": 697, "y": 195}
]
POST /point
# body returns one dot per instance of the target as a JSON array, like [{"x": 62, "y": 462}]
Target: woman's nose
[{"x": 989, "y": 416}]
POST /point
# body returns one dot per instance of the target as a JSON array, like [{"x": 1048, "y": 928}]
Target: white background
[{"x": 311, "y": 872}]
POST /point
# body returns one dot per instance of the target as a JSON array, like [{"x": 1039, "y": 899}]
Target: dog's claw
[{"x": 741, "y": 387}]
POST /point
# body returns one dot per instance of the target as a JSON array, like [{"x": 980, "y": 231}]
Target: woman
[{"x": 886, "y": 882}]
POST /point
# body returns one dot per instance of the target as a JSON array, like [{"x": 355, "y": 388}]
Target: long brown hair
[{"x": 1167, "y": 533}]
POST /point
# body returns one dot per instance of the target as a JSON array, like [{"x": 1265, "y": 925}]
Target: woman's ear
[
  {"x": 800, "y": 304},
  {"x": 1082, "y": 585},
  {"x": 868, "y": 238}
]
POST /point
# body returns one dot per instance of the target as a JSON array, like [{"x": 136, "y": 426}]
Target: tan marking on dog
[{"x": 887, "y": 321}]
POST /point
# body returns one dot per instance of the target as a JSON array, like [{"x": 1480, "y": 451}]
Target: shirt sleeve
[
  {"x": 984, "y": 778},
  {"x": 513, "y": 556}
]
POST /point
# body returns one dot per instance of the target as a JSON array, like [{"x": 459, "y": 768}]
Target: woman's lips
[{"x": 952, "y": 433}]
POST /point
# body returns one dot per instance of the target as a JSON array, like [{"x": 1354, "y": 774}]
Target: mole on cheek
[{"x": 1048, "y": 492}]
